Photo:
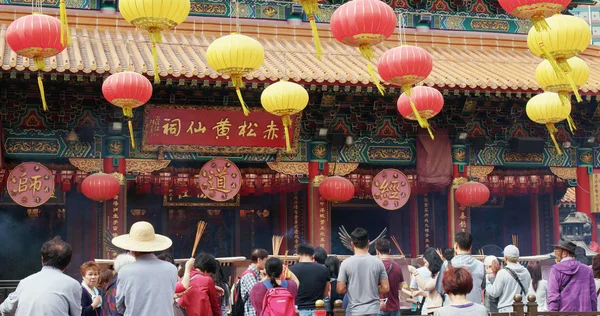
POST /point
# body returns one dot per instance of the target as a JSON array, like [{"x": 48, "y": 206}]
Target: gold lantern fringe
[
  {"x": 566, "y": 71},
  {"x": 311, "y": 8},
  {"x": 287, "y": 123},
  {"x": 565, "y": 99},
  {"x": 155, "y": 38},
  {"x": 422, "y": 122},
  {"x": 367, "y": 52},
  {"x": 40, "y": 64},
  {"x": 540, "y": 24},
  {"x": 552, "y": 130},
  {"x": 236, "y": 80},
  {"x": 128, "y": 113},
  {"x": 65, "y": 37}
]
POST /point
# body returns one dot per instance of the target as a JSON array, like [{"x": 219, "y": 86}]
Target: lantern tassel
[
  {"x": 566, "y": 70},
  {"x": 422, "y": 122},
  {"x": 237, "y": 82},
  {"x": 131, "y": 133},
  {"x": 65, "y": 37},
  {"x": 552, "y": 129},
  {"x": 287, "y": 123},
  {"x": 565, "y": 99},
  {"x": 315, "y": 34},
  {"x": 42, "y": 93},
  {"x": 367, "y": 52},
  {"x": 155, "y": 61},
  {"x": 540, "y": 24}
]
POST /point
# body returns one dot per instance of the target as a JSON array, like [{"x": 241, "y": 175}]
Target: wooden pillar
[
  {"x": 585, "y": 160},
  {"x": 457, "y": 216},
  {"x": 319, "y": 210},
  {"x": 114, "y": 212}
]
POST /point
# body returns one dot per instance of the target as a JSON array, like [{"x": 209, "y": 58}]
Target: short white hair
[{"x": 122, "y": 260}]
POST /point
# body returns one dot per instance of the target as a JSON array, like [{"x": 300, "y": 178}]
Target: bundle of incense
[
  {"x": 285, "y": 272},
  {"x": 276, "y": 244},
  {"x": 399, "y": 249},
  {"x": 199, "y": 231},
  {"x": 515, "y": 240}
]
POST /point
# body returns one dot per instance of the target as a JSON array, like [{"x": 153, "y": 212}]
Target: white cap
[
  {"x": 489, "y": 260},
  {"x": 511, "y": 251}
]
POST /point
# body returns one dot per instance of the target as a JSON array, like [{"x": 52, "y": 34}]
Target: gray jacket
[
  {"x": 477, "y": 270},
  {"x": 505, "y": 286}
]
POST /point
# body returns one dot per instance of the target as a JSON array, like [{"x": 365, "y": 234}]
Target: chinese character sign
[
  {"x": 391, "y": 189},
  {"x": 220, "y": 180},
  {"x": 30, "y": 184},
  {"x": 214, "y": 130}
]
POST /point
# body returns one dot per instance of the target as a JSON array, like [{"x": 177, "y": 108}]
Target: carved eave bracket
[
  {"x": 565, "y": 173},
  {"x": 296, "y": 168},
  {"x": 133, "y": 165},
  {"x": 480, "y": 172}
]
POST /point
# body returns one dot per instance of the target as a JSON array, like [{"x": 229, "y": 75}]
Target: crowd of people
[{"x": 445, "y": 283}]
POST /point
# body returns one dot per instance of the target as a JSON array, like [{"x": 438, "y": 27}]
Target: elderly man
[
  {"x": 48, "y": 292},
  {"x": 571, "y": 286},
  {"x": 146, "y": 286},
  {"x": 513, "y": 279}
]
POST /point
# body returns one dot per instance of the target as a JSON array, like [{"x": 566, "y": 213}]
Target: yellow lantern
[
  {"x": 311, "y": 8},
  {"x": 547, "y": 108},
  {"x": 566, "y": 37},
  {"x": 549, "y": 80},
  {"x": 284, "y": 99},
  {"x": 155, "y": 17},
  {"x": 236, "y": 55}
]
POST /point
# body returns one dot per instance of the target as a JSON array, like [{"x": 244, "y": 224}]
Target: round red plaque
[
  {"x": 30, "y": 184},
  {"x": 391, "y": 189},
  {"x": 220, "y": 180}
]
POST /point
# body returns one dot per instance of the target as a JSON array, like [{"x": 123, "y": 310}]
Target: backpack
[
  {"x": 237, "y": 309},
  {"x": 278, "y": 301}
]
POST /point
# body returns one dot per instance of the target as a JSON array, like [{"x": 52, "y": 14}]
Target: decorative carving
[
  {"x": 115, "y": 147},
  {"x": 296, "y": 168},
  {"x": 389, "y": 153},
  {"x": 320, "y": 151},
  {"x": 459, "y": 154},
  {"x": 86, "y": 164},
  {"x": 565, "y": 173},
  {"x": 458, "y": 181},
  {"x": 586, "y": 157},
  {"x": 513, "y": 157},
  {"x": 480, "y": 172},
  {"x": 133, "y": 165},
  {"x": 316, "y": 182}
]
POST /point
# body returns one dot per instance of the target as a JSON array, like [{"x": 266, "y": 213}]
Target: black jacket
[{"x": 86, "y": 304}]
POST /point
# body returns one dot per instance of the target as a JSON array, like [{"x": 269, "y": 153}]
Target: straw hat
[{"x": 141, "y": 238}]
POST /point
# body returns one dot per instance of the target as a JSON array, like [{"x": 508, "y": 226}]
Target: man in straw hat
[
  {"x": 571, "y": 286},
  {"x": 146, "y": 286}
]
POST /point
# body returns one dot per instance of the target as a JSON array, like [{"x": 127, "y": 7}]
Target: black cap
[{"x": 566, "y": 245}]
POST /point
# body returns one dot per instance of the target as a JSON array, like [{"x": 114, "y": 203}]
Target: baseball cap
[{"x": 511, "y": 251}]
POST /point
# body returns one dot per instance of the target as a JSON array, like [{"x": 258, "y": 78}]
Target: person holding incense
[{"x": 201, "y": 298}]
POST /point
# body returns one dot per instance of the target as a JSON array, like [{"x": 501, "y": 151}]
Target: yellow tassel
[
  {"x": 65, "y": 37},
  {"x": 237, "y": 82},
  {"x": 287, "y": 123},
  {"x": 566, "y": 70},
  {"x": 380, "y": 88},
  {"x": 552, "y": 129},
  {"x": 540, "y": 24},
  {"x": 571, "y": 124},
  {"x": 42, "y": 93},
  {"x": 131, "y": 134},
  {"x": 127, "y": 111},
  {"x": 311, "y": 7},
  {"x": 39, "y": 63},
  {"x": 565, "y": 99},
  {"x": 551, "y": 59},
  {"x": 155, "y": 60},
  {"x": 315, "y": 34},
  {"x": 422, "y": 122}
]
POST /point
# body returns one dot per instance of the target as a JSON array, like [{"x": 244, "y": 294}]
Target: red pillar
[
  {"x": 460, "y": 160},
  {"x": 114, "y": 212},
  {"x": 319, "y": 210},
  {"x": 582, "y": 191}
]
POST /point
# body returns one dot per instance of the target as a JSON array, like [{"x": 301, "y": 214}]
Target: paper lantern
[
  {"x": 535, "y": 10},
  {"x": 155, "y": 17},
  {"x": 362, "y": 24},
  {"x": 336, "y": 189},
  {"x": 566, "y": 37},
  {"x": 127, "y": 90},
  {"x": 547, "y": 108},
  {"x": 236, "y": 55},
  {"x": 550, "y": 81},
  {"x": 284, "y": 99},
  {"x": 100, "y": 187},
  {"x": 472, "y": 194},
  {"x": 423, "y": 104},
  {"x": 36, "y": 37}
]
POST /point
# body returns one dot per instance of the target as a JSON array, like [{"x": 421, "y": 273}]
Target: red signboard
[
  {"x": 215, "y": 130},
  {"x": 30, "y": 184}
]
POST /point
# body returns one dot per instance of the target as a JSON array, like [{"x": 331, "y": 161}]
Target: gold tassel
[
  {"x": 65, "y": 37},
  {"x": 566, "y": 70},
  {"x": 155, "y": 60},
  {"x": 552, "y": 129},
  {"x": 422, "y": 122},
  {"x": 540, "y": 24},
  {"x": 131, "y": 133},
  {"x": 380, "y": 88},
  {"x": 565, "y": 99},
  {"x": 42, "y": 93},
  {"x": 315, "y": 34},
  {"x": 287, "y": 123},
  {"x": 237, "y": 82}
]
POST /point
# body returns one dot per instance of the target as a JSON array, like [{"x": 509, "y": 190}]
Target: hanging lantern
[
  {"x": 127, "y": 90},
  {"x": 550, "y": 81},
  {"x": 472, "y": 194},
  {"x": 423, "y": 103},
  {"x": 547, "y": 108},
  {"x": 155, "y": 17},
  {"x": 362, "y": 24},
  {"x": 336, "y": 189},
  {"x": 100, "y": 187},
  {"x": 36, "y": 37},
  {"x": 566, "y": 37},
  {"x": 284, "y": 99},
  {"x": 236, "y": 55},
  {"x": 311, "y": 8},
  {"x": 535, "y": 10}
]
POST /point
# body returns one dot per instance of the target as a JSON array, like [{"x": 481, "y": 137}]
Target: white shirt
[{"x": 541, "y": 295}]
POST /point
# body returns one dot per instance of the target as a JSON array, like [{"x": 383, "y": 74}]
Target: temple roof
[
  {"x": 569, "y": 198},
  {"x": 105, "y": 44}
]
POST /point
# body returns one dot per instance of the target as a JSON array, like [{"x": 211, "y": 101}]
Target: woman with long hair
[
  {"x": 538, "y": 286},
  {"x": 221, "y": 283},
  {"x": 596, "y": 269},
  {"x": 433, "y": 299},
  {"x": 333, "y": 266},
  {"x": 273, "y": 270}
]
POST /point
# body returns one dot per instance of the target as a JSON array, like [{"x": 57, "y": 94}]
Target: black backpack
[{"x": 237, "y": 309}]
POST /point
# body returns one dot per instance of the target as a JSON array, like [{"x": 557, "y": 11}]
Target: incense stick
[
  {"x": 515, "y": 240},
  {"x": 199, "y": 231},
  {"x": 276, "y": 244},
  {"x": 399, "y": 249}
]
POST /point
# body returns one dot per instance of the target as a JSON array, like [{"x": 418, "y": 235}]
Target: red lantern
[
  {"x": 472, "y": 194},
  {"x": 100, "y": 187},
  {"x": 336, "y": 189},
  {"x": 127, "y": 90},
  {"x": 362, "y": 24},
  {"x": 534, "y": 10},
  {"x": 36, "y": 36},
  {"x": 423, "y": 104},
  {"x": 405, "y": 66}
]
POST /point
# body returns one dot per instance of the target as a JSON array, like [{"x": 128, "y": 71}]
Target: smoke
[{"x": 20, "y": 250}]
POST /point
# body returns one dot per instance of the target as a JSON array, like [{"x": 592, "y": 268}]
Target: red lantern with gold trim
[
  {"x": 423, "y": 104},
  {"x": 336, "y": 189},
  {"x": 362, "y": 24},
  {"x": 535, "y": 10},
  {"x": 127, "y": 90},
  {"x": 100, "y": 187},
  {"x": 472, "y": 194}
]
